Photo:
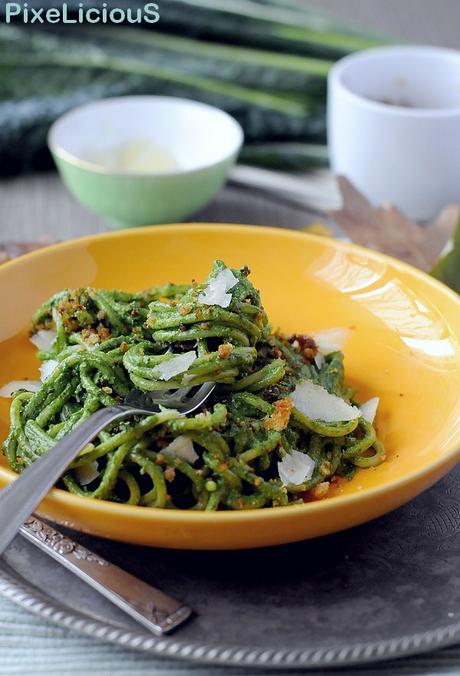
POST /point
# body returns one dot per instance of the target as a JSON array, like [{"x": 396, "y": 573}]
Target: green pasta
[{"x": 234, "y": 454}]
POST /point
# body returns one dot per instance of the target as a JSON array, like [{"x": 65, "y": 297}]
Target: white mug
[{"x": 394, "y": 126}]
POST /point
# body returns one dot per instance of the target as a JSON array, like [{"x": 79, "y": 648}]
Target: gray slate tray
[{"x": 383, "y": 590}]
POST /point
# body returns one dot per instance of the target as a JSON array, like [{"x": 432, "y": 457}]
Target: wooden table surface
[{"x": 39, "y": 206}]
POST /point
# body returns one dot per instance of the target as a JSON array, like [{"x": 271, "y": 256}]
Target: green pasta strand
[{"x": 227, "y": 456}]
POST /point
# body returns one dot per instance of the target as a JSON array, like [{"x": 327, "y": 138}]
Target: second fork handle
[{"x": 20, "y": 499}]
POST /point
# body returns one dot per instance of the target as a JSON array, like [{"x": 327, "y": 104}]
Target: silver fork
[
  {"x": 155, "y": 610},
  {"x": 19, "y": 500}
]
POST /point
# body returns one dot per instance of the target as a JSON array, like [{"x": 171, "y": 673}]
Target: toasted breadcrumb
[
  {"x": 69, "y": 306},
  {"x": 320, "y": 490},
  {"x": 90, "y": 336},
  {"x": 225, "y": 350},
  {"x": 279, "y": 419},
  {"x": 70, "y": 303},
  {"x": 305, "y": 345},
  {"x": 170, "y": 474},
  {"x": 103, "y": 332}
]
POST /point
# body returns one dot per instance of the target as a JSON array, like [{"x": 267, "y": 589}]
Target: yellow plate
[{"x": 404, "y": 348}]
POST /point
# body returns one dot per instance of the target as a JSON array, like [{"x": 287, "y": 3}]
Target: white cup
[{"x": 394, "y": 126}]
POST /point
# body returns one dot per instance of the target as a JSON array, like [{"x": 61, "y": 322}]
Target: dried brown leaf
[{"x": 386, "y": 229}]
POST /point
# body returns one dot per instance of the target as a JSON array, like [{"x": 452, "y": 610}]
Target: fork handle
[
  {"x": 20, "y": 499},
  {"x": 157, "y": 611}
]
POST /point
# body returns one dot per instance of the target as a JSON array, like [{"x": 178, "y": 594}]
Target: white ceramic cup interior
[
  {"x": 196, "y": 135},
  {"x": 394, "y": 126}
]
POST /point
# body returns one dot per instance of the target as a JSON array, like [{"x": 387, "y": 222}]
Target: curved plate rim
[
  {"x": 59, "y": 496},
  {"x": 17, "y": 590}
]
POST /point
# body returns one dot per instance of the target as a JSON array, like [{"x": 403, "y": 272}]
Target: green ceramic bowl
[{"x": 103, "y": 151}]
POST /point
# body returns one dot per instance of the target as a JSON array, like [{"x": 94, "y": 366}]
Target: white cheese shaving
[
  {"x": 181, "y": 447},
  {"x": 369, "y": 409},
  {"x": 28, "y": 385},
  {"x": 175, "y": 366},
  {"x": 319, "y": 361},
  {"x": 331, "y": 340},
  {"x": 216, "y": 291},
  {"x": 295, "y": 468},
  {"x": 318, "y": 404},
  {"x": 47, "y": 369},
  {"x": 85, "y": 474},
  {"x": 43, "y": 340}
]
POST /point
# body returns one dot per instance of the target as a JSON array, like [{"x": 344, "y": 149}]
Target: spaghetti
[{"x": 254, "y": 446}]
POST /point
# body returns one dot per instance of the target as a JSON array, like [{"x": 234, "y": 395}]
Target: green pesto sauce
[{"x": 108, "y": 342}]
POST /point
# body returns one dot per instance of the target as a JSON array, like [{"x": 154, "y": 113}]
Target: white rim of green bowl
[{"x": 59, "y": 152}]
